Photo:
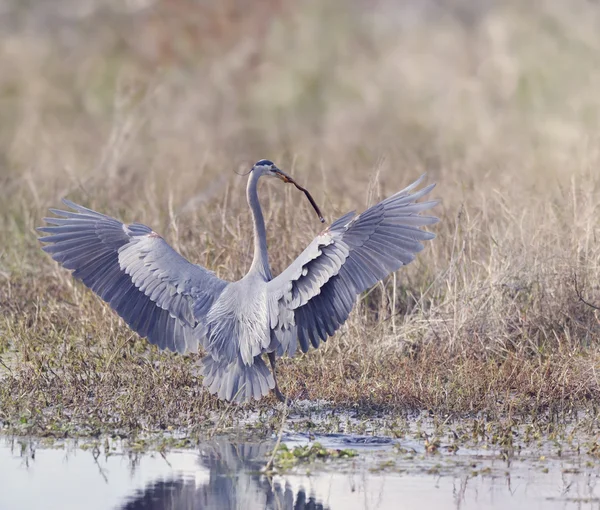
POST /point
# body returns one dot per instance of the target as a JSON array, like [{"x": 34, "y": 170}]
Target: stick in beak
[{"x": 286, "y": 178}]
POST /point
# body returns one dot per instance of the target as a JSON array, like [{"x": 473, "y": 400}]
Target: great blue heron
[{"x": 178, "y": 305}]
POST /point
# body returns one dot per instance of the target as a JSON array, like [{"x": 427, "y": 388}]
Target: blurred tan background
[{"x": 144, "y": 108}]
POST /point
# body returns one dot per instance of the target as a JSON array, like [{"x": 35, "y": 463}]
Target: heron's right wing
[
  {"x": 158, "y": 292},
  {"x": 313, "y": 297}
]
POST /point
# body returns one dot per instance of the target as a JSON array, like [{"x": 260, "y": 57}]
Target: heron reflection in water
[{"x": 235, "y": 482}]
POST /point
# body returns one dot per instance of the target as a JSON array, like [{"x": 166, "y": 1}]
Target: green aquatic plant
[{"x": 286, "y": 458}]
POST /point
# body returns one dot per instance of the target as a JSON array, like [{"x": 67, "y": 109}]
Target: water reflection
[
  {"x": 234, "y": 482},
  {"x": 227, "y": 475}
]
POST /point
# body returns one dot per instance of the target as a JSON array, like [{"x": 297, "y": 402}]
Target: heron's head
[{"x": 268, "y": 168}]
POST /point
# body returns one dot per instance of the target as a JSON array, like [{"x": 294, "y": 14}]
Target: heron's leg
[{"x": 280, "y": 396}]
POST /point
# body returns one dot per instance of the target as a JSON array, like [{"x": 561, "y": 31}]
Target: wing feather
[
  {"x": 151, "y": 286},
  {"x": 317, "y": 292}
]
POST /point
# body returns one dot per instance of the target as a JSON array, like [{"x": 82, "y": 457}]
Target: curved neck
[{"x": 260, "y": 262}]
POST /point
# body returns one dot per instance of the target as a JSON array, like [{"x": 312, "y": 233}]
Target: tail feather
[{"x": 236, "y": 381}]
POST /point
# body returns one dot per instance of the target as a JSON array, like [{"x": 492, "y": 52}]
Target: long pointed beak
[{"x": 286, "y": 178}]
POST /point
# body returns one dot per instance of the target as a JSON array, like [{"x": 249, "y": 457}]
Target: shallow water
[{"x": 221, "y": 474}]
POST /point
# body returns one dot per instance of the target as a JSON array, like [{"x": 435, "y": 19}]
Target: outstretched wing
[
  {"x": 159, "y": 293},
  {"x": 313, "y": 297}
]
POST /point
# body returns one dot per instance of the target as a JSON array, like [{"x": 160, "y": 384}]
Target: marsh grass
[{"x": 143, "y": 115}]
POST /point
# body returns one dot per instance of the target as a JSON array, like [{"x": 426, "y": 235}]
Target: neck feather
[{"x": 260, "y": 262}]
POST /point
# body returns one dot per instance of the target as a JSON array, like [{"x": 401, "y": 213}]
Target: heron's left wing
[
  {"x": 160, "y": 294},
  {"x": 313, "y": 297}
]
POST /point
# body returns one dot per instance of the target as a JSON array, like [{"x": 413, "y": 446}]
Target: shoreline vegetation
[{"x": 144, "y": 115}]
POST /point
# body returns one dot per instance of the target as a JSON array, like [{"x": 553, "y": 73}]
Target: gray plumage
[{"x": 178, "y": 305}]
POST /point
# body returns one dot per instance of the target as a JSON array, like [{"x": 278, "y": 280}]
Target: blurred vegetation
[{"x": 143, "y": 109}]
